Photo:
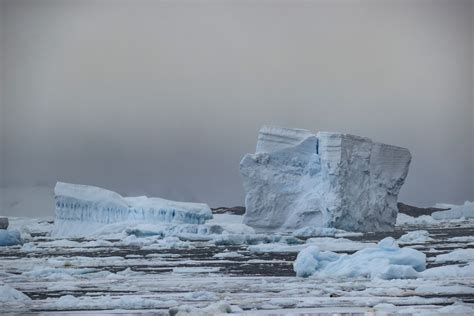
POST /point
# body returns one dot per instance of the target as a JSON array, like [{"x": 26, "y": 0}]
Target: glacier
[
  {"x": 298, "y": 179},
  {"x": 82, "y": 210}
]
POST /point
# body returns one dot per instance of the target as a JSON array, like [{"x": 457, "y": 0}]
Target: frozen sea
[{"x": 203, "y": 275}]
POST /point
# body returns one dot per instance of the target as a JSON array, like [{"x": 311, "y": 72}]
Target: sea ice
[
  {"x": 386, "y": 261},
  {"x": 456, "y": 255},
  {"x": 82, "y": 210},
  {"x": 105, "y": 302},
  {"x": 9, "y": 294},
  {"x": 10, "y": 237},
  {"x": 449, "y": 271},
  {"x": 217, "y": 308},
  {"x": 423, "y": 220},
  {"x": 417, "y": 236},
  {"x": 297, "y": 179},
  {"x": 309, "y": 231}
]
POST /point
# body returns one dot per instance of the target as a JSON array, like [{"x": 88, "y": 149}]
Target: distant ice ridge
[
  {"x": 456, "y": 211},
  {"x": 297, "y": 179},
  {"x": 82, "y": 210},
  {"x": 386, "y": 261}
]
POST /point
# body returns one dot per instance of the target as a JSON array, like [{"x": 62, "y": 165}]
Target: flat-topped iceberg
[
  {"x": 82, "y": 210},
  {"x": 297, "y": 179}
]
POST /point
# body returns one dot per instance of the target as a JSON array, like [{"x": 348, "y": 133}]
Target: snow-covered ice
[
  {"x": 309, "y": 231},
  {"x": 456, "y": 255},
  {"x": 82, "y": 210},
  {"x": 386, "y": 261},
  {"x": 297, "y": 178},
  {"x": 417, "y": 236}
]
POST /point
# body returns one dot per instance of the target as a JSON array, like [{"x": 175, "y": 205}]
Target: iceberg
[
  {"x": 385, "y": 261},
  {"x": 455, "y": 212},
  {"x": 82, "y": 210},
  {"x": 10, "y": 237},
  {"x": 297, "y": 179}
]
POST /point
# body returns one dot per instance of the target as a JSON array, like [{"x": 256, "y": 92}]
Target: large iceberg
[
  {"x": 297, "y": 178},
  {"x": 82, "y": 210}
]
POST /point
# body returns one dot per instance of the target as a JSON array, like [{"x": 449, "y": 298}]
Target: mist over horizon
[{"x": 164, "y": 98}]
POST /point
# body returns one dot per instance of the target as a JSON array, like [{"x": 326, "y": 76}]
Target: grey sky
[{"x": 164, "y": 97}]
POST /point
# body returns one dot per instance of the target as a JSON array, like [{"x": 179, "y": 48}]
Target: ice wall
[
  {"x": 297, "y": 179},
  {"x": 82, "y": 209}
]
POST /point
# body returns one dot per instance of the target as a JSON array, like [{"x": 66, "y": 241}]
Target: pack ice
[
  {"x": 297, "y": 179},
  {"x": 82, "y": 209}
]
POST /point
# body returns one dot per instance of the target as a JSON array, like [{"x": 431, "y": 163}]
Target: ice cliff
[
  {"x": 297, "y": 179},
  {"x": 82, "y": 209}
]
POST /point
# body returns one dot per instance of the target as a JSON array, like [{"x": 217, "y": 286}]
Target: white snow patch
[
  {"x": 201, "y": 296},
  {"x": 403, "y": 219},
  {"x": 310, "y": 231},
  {"x": 456, "y": 255},
  {"x": 230, "y": 254},
  {"x": 196, "y": 269},
  {"x": 213, "y": 309},
  {"x": 449, "y": 271},
  {"x": 106, "y": 302}
]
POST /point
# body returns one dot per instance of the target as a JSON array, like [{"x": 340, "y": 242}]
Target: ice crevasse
[{"x": 83, "y": 209}]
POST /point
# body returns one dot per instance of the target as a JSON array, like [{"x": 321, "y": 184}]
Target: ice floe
[
  {"x": 9, "y": 294},
  {"x": 456, "y": 255},
  {"x": 417, "y": 236},
  {"x": 386, "y": 261}
]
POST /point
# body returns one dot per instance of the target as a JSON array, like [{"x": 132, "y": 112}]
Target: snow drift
[
  {"x": 82, "y": 210},
  {"x": 297, "y": 179}
]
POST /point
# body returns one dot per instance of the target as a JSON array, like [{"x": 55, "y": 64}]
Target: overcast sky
[{"x": 165, "y": 97}]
